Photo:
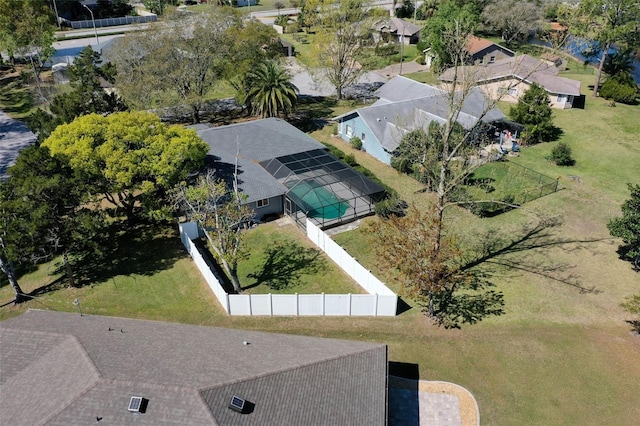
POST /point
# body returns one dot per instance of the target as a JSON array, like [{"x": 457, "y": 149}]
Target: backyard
[{"x": 561, "y": 354}]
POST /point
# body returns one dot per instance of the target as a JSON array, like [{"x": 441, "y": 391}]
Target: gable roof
[
  {"x": 523, "y": 67},
  {"x": 253, "y": 142},
  {"x": 391, "y": 116},
  {"x": 403, "y": 27},
  {"x": 188, "y": 373},
  {"x": 403, "y": 89},
  {"x": 477, "y": 44}
]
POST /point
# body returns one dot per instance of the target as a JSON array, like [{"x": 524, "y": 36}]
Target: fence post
[
  {"x": 270, "y": 304},
  {"x": 375, "y": 313},
  {"x": 250, "y": 309},
  {"x": 228, "y": 304},
  {"x": 349, "y": 308},
  {"x": 323, "y": 303},
  {"x": 297, "y": 305}
]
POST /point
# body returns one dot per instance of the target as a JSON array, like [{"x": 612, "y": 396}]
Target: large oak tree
[{"x": 131, "y": 158}]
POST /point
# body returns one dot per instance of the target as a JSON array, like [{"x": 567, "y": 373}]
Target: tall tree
[
  {"x": 433, "y": 269},
  {"x": 27, "y": 28},
  {"x": 176, "y": 62},
  {"x": 270, "y": 90},
  {"x": 51, "y": 200},
  {"x": 87, "y": 95},
  {"x": 131, "y": 158},
  {"x": 609, "y": 23},
  {"x": 627, "y": 228},
  {"x": 449, "y": 19},
  {"x": 342, "y": 27},
  {"x": 219, "y": 211},
  {"x": 533, "y": 110},
  {"x": 514, "y": 20}
]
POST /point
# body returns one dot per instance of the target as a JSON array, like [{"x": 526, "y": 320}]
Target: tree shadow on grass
[
  {"x": 144, "y": 249},
  {"x": 285, "y": 262},
  {"x": 497, "y": 253}
]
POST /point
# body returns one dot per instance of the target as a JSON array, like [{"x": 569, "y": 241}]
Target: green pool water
[{"x": 318, "y": 201}]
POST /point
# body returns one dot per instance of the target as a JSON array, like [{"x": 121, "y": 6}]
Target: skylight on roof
[{"x": 237, "y": 404}]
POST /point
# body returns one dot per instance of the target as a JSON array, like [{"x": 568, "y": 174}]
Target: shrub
[
  {"x": 392, "y": 206},
  {"x": 420, "y": 59},
  {"x": 620, "y": 88},
  {"x": 356, "y": 143},
  {"x": 350, "y": 160},
  {"x": 561, "y": 155},
  {"x": 334, "y": 130}
]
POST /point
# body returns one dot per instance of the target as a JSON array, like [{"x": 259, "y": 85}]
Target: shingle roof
[
  {"x": 406, "y": 105},
  {"x": 403, "y": 27},
  {"x": 476, "y": 44},
  {"x": 188, "y": 374},
  {"x": 256, "y": 141},
  {"x": 523, "y": 67}
]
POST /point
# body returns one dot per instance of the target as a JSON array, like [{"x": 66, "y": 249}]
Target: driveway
[
  {"x": 314, "y": 84},
  {"x": 14, "y": 137}
]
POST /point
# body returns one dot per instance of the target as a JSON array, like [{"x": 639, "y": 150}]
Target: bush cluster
[
  {"x": 561, "y": 155},
  {"x": 620, "y": 88},
  {"x": 356, "y": 143}
]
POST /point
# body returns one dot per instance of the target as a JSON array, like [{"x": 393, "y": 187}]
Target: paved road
[{"x": 14, "y": 137}]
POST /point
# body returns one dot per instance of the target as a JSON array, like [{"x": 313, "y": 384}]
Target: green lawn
[
  {"x": 327, "y": 277},
  {"x": 561, "y": 354}
]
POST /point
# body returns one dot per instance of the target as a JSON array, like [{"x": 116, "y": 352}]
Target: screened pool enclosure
[{"x": 322, "y": 188}]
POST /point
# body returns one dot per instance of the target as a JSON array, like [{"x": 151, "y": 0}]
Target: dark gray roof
[
  {"x": 256, "y": 141},
  {"x": 392, "y": 116},
  {"x": 523, "y": 67},
  {"x": 61, "y": 368}
]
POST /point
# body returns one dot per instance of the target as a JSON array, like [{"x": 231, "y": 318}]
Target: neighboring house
[
  {"x": 398, "y": 30},
  {"x": 480, "y": 52},
  {"x": 522, "y": 70},
  {"x": 66, "y": 369},
  {"x": 283, "y": 170},
  {"x": 484, "y": 52},
  {"x": 406, "y": 105}
]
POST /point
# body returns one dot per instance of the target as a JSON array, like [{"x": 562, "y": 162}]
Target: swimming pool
[{"x": 318, "y": 201}]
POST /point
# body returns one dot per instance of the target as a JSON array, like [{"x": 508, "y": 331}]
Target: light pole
[{"x": 94, "y": 23}]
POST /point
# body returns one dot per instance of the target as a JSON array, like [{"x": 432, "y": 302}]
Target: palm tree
[{"x": 270, "y": 90}]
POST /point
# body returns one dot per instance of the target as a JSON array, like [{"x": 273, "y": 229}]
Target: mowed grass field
[{"x": 562, "y": 354}]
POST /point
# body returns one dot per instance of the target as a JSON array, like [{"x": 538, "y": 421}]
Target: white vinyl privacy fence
[{"x": 379, "y": 302}]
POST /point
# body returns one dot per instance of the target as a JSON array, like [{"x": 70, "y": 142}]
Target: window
[
  {"x": 262, "y": 203},
  {"x": 362, "y": 137},
  {"x": 481, "y": 61},
  {"x": 561, "y": 99},
  {"x": 513, "y": 91},
  {"x": 492, "y": 59},
  {"x": 349, "y": 131}
]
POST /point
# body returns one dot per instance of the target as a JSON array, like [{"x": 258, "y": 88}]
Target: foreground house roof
[
  {"x": 522, "y": 67},
  {"x": 66, "y": 369}
]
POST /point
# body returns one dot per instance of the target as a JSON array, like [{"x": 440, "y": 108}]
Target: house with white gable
[{"x": 405, "y": 105}]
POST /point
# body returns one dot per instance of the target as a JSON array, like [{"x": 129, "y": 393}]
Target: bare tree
[
  {"x": 219, "y": 211},
  {"x": 342, "y": 28}
]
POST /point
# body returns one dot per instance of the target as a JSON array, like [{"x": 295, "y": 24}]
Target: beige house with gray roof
[{"x": 512, "y": 77}]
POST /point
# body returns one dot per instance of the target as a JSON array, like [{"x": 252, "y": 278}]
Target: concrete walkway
[
  {"x": 433, "y": 403},
  {"x": 14, "y": 137}
]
